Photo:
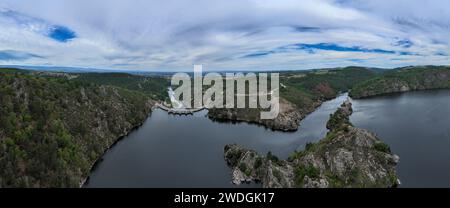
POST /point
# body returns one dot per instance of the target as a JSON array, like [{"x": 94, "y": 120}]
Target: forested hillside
[
  {"x": 154, "y": 86},
  {"x": 301, "y": 93},
  {"x": 404, "y": 79},
  {"x": 53, "y": 129}
]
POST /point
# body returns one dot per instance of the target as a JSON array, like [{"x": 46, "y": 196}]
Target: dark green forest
[
  {"x": 154, "y": 87},
  {"x": 52, "y": 129},
  {"x": 404, "y": 79}
]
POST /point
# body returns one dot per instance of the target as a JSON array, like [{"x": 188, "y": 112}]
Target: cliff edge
[{"x": 348, "y": 157}]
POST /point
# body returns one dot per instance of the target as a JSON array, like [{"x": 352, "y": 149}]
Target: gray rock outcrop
[{"x": 346, "y": 157}]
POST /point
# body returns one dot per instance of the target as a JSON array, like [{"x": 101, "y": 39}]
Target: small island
[{"x": 348, "y": 157}]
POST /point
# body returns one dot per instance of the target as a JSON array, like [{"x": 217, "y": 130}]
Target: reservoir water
[
  {"x": 417, "y": 127},
  {"x": 187, "y": 151}
]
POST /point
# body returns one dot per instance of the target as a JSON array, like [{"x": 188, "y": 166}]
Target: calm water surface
[
  {"x": 187, "y": 151},
  {"x": 417, "y": 127}
]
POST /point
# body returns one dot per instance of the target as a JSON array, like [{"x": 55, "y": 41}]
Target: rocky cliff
[
  {"x": 403, "y": 80},
  {"x": 288, "y": 119},
  {"x": 52, "y": 130},
  {"x": 347, "y": 157}
]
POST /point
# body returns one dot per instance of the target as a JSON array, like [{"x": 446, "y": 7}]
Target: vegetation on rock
[
  {"x": 403, "y": 80},
  {"x": 348, "y": 157},
  {"x": 53, "y": 129}
]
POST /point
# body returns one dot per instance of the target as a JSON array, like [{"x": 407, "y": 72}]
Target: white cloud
[{"x": 176, "y": 34}]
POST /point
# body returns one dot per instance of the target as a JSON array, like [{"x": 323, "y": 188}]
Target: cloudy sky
[{"x": 224, "y": 34}]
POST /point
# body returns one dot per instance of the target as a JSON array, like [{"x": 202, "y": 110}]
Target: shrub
[
  {"x": 382, "y": 147},
  {"x": 302, "y": 171}
]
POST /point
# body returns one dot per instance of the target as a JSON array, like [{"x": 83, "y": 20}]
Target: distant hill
[
  {"x": 87, "y": 70},
  {"x": 301, "y": 93},
  {"x": 404, "y": 79},
  {"x": 154, "y": 86}
]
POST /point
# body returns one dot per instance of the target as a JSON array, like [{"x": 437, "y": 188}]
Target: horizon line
[{"x": 113, "y": 70}]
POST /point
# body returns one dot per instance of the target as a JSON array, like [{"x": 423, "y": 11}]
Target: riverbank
[
  {"x": 197, "y": 145},
  {"x": 53, "y": 129},
  {"x": 346, "y": 157},
  {"x": 96, "y": 162},
  {"x": 288, "y": 120},
  {"x": 196, "y": 150}
]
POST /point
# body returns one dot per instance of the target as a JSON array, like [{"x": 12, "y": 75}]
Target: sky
[{"x": 174, "y": 35}]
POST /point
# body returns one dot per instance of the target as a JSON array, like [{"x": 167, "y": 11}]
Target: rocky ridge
[
  {"x": 404, "y": 80},
  {"x": 347, "y": 157},
  {"x": 288, "y": 119}
]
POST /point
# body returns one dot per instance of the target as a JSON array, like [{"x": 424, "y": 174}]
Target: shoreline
[
  {"x": 316, "y": 106},
  {"x": 397, "y": 93},
  {"x": 85, "y": 180}
]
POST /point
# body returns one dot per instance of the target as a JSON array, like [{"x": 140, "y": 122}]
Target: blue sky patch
[
  {"x": 306, "y": 29},
  {"x": 336, "y": 47},
  {"x": 61, "y": 34},
  {"x": 11, "y": 55},
  {"x": 55, "y": 32},
  {"x": 312, "y": 49},
  {"x": 356, "y": 60},
  {"x": 405, "y": 53},
  {"x": 404, "y": 43},
  {"x": 258, "y": 54}
]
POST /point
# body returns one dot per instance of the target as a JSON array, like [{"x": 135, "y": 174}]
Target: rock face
[
  {"x": 248, "y": 166},
  {"x": 347, "y": 157},
  {"x": 341, "y": 117},
  {"x": 288, "y": 119},
  {"x": 403, "y": 80}
]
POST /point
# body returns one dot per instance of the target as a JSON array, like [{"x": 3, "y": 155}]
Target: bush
[
  {"x": 258, "y": 163},
  {"x": 302, "y": 171},
  {"x": 274, "y": 159},
  {"x": 242, "y": 167},
  {"x": 382, "y": 147}
]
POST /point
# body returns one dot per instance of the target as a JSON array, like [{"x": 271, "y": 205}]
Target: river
[
  {"x": 187, "y": 151},
  {"x": 417, "y": 127}
]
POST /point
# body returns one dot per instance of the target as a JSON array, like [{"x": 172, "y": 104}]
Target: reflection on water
[
  {"x": 417, "y": 127},
  {"x": 187, "y": 151}
]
